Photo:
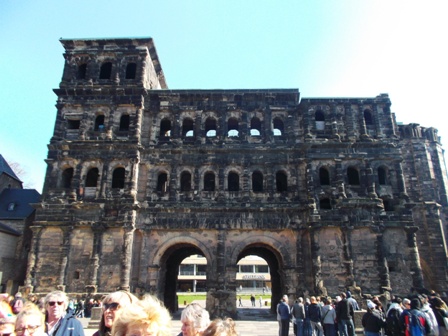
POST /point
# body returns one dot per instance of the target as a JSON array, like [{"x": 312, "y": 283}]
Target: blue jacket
[
  {"x": 314, "y": 312},
  {"x": 69, "y": 326},
  {"x": 283, "y": 310}
]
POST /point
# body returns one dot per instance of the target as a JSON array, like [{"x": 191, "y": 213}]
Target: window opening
[
  {"x": 320, "y": 120},
  {"x": 281, "y": 181},
  {"x": 92, "y": 178},
  {"x": 209, "y": 181},
  {"x": 324, "y": 176},
  {"x": 388, "y": 206},
  {"x": 131, "y": 70},
  {"x": 232, "y": 126},
  {"x": 210, "y": 127},
  {"x": 124, "y": 122},
  {"x": 353, "y": 176},
  {"x": 257, "y": 181},
  {"x": 233, "y": 181},
  {"x": 67, "y": 176},
  {"x": 325, "y": 204},
  {"x": 255, "y": 127},
  {"x": 368, "y": 117},
  {"x": 382, "y": 176},
  {"x": 162, "y": 182},
  {"x": 165, "y": 128},
  {"x": 106, "y": 70},
  {"x": 185, "y": 181},
  {"x": 187, "y": 128},
  {"x": 82, "y": 71},
  {"x": 118, "y": 178},
  {"x": 278, "y": 127},
  {"x": 73, "y": 124},
  {"x": 99, "y": 123}
]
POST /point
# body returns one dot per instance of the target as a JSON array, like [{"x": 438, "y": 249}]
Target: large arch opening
[{"x": 272, "y": 259}]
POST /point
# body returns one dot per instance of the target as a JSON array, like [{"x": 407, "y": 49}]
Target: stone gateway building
[{"x": 332, "y": 192}]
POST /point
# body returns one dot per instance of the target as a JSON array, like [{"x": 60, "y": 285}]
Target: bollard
[{"x": 185, "y": 302}]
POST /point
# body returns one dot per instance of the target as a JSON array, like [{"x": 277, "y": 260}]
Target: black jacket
[
  {"x": 372, "y": 321},
  {"x": 344, "y": 310}
]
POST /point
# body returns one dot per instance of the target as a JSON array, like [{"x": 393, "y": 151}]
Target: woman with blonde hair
[
  {"x": 221, "y": 327},
  {"x": 112, "y": 305},
  {"x": 147, "y": 316},
  {"x": 30, "y": 320},
  {"x": 195, "y": 320}
]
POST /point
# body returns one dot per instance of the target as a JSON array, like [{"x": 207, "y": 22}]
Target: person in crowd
[
  {"x": 80, "y": 307},
  {"x": 372, "y": 321},
  {"x": 345, "y": 314},
  {"x": 329, "y": 318},
  {"x": 30, "y": 321},
  {"x": 352, "y": 301},
  {"x": 112, "y": 305},
  {"x": 221, "y": 327},
  {"x": 393, "y": 314},
  {"x": 379, "y": 307},
  {"x": 441, "y": 313},
  {"x": 409, "y": 315},
  {"x": 284, "y": 311},
  {"x": 426, "y": 308},
  {"x": 195, "y": 320},
  {"x": 406, "y": 304},
  {"x": 298, "y": 312},
  {"x": 315, "y": 315},
  {"x": 58, "y": 322},
  {"x": 307, "y": 327},
  {"x": 260, "y": 300},
  {"x": 143, "y": 317},
  {"x": 18, "y": 303},
  {"x": 7, "y": 318}
]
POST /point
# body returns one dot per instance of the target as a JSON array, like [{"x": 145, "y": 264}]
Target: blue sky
[{"x": 325, "y": 48}]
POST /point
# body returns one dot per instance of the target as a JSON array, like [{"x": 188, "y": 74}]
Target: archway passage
[
  {"x": 273, "y": 261},
  {"x": 170, "y": 268}
]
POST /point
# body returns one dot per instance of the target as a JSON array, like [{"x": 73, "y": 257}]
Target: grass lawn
[{"x": 190, "y": 297}]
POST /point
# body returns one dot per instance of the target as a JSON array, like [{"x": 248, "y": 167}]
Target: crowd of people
[
  {"x": 123, "y": 314},
  {"x": 420, "y": 315}
]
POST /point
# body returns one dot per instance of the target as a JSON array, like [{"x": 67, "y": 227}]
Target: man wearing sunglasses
[{"x": 58, "y": 321}]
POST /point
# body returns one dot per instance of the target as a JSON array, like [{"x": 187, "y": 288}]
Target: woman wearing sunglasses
[
  {"x": 30, "y": 321},
  {"x": 113, "y": 303},
  {"x": 59, "y": 323}
]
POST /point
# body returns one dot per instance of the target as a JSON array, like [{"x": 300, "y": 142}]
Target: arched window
[
  {"x": 210, "y": 127},
  {"x": 165, "y": 128},
  {"x": 382, "y": 176},
  {"x": 162, "y": 182},
  {"x": 67, "y": 176},
  {"x": 209, "y": 181},
  {"x": 82, "y": 71},
  {"x": 325, "y": 204},
  {"x": 187, "y": 127},
  {"x": 99, "y": 123},
  {"x": 118, "y": 178},
  {"x": 281, "y": 181},
  {"x": 319, "y": 116},
  {"x": 278, "y": 127},
  {"x": 352, "y": 176},
  {"x": 255, "y": 127},
  {"x": 257, "y": 181},
  {"x": 92, "y": 178},
  {"x": 368, "y": 117},
  {"x": 324, "y": 176},
  {"x": 131, "y": 70},
  {"x": 185, "y": 181},
  {"x": 232, "y": 127},
  {"x": 106, "y": 70},
  {"x": 233, "y": 181},
  {"x": 124, "y": 122},
  {"x": 388, "y": 205}
]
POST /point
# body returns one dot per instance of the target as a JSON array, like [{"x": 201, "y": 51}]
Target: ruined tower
[{"x": 333, "y": 193}]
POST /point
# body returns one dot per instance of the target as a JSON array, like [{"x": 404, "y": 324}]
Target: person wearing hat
[{"x": 372, "y": 321}]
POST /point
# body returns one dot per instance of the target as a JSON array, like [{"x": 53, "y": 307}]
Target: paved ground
[{"x": 251, "y": 322}]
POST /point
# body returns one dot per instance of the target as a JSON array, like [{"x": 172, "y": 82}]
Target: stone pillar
[
  {"x": 334, "y": 124},
  {"x": 310, "y": 185},
  {"x": 350, "y": 122},
  {"x": 66, "y": 237},
  {"x": 416, "y": 269},
  {"x": 126, "y": 258},
  {"x": 383, "y": 268},
  {"x": 339, "y": 179},
  {"x": 362, "y": 123},
  {"x": 400, "y": 179},
  {"x": 370, "y": 181},
  {"x": 152, "y": 283},
  {"x": 97, "y": 237},
  {"x": 319, "y": 288},
  {"x": 347, "y": 235},
  {"x": 32, "y": 255}
]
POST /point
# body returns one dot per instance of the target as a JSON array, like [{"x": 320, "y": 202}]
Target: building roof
[
  {"x": 6, "y": 169},
  {"x": 8, "y": 230},
  {"x": 15, "y": 203}
]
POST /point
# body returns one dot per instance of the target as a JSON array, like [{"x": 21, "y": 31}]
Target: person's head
[
  {"x": 416, "y": 304},
  {"x": 313, "y": 299},
  {"x": 285, "y": 298},
  {"x": 30, "y": 321},
  {"x": 56, "y": 304},
  {"x": 221, "y": 327},
  {"x": 7, "y": 324},
  {"x": 438, "y": 303},
  {"x": 195, "y": 320},
  {"x": 147, "y": 316},
  {"x": 343, "y": 296},
  {"x": 370, "y": 305},
  {"x": 18, "y": 295},
  {"x": 328, "y": 300},
  {"x": 113, "y": 304},
  {"x": 406, "y": 303},
  {"x": 300, "y": 299}
]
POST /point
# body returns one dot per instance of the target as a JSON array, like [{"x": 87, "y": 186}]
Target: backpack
[
  {"x": 17, "y": 307},
  {"x": 393, "y": 322},
  {"x": 415, "y": 326}
]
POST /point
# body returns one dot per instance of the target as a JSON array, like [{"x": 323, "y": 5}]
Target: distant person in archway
[
  {"x": 195, "y": 320},
  {"x": 252, "y": 300},
  {"x": 240, "y": 303}
]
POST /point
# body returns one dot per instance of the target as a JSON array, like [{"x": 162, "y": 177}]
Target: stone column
[
  {"x": 347, "y": 236},
  {"x": 319, "y": 288},
  {"x": 383, "y": 266},
  {"x": 350, "y": 122},
  {"x": 416, "y": 269},
  {"x": 66, "y": 237},
  {"x": 362, "y": 123},
  {"x": 97, "y": 237},
  {"x": 126, "y": 258},
  {"x": 400, "y": 179},
  {"x": 334, "y": 124},
  {"x": 339, "y": 179},
  {"x": 32, "y": 256},
  {"x": 310, "y": 185},
  {"x": 370, "y": 181},
  {"x": 152, "y": 283}
]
